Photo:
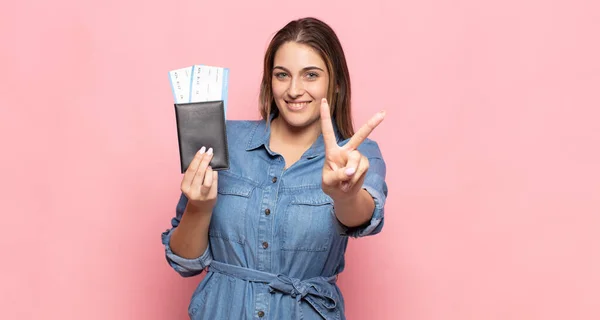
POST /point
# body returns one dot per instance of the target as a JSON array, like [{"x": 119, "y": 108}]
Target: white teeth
[{"x": 297, "y": 105}]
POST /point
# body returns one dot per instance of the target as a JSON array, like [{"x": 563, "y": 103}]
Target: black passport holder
[{"x": 202, "y": 124}]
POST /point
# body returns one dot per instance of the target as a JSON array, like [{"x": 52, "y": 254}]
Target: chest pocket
[
  {"x": 228, "y": 220},
  {"x": 308, "y": 224}
]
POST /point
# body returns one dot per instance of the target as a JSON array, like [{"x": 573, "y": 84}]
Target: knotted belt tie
[{"x": 319, "y": 292}]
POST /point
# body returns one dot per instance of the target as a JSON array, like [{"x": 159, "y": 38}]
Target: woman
[{"x": 272, "y": 230}]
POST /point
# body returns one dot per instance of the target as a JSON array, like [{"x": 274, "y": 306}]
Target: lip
[{"x": 297, "y": 105}]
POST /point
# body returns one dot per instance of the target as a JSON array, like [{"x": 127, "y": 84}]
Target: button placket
[{"x": 265, "y": 230}]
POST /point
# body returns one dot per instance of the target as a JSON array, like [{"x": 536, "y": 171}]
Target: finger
[
  {"x": 363, "y": 167},
  {"x": 215, "y": 184},
  {"x": 326, "y": 126},
  {"x": 199, "y": 177},
  {"x": 341, "y": 175},
  {"x": 335, "y": 177},
  {"x": 351, "y": 168},
  {"x": 208, "y": 181},
  {"x": 353, "y": 161},
  {"x": 190, "y": 172},
  {"x": 365, "y": 130}
]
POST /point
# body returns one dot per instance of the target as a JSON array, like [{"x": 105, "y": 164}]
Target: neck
[{"x": 293, "y": 136}]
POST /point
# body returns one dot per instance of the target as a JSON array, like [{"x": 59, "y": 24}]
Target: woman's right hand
[{"x": 200, "y": 182}]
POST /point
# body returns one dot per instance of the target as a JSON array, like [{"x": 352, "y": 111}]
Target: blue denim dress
[{"x": 275, "y": 246}]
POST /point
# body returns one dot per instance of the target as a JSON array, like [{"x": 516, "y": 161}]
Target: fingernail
[
  {"x": 350, "y": 171},
  {"x": 324, "y": 100},
  {"x": 202, "y": 150},
  {"x": 210, "y": 151}
]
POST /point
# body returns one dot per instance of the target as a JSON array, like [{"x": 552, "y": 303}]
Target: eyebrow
[{"x": 303, "y": 69}]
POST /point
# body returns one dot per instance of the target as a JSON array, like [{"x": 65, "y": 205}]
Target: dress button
[
  {"x": 267, "y": 211},
  {"x": 274, "y": 179},
  {"x": 265, "y": 244},
  {"x": 261, "y": 314}
]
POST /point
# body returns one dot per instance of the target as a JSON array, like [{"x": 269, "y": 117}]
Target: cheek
[
  {"x": 278, "y": 89},
  {"x": 319, "y": 89}
]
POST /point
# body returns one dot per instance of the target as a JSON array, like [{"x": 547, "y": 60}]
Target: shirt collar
[{"x": 261, "y": 134}]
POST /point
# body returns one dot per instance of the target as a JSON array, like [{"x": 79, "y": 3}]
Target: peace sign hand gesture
[{"x": 345, "y": 167}]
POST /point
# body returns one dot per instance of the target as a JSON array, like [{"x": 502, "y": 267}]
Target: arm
[
  {"x": 355, "y": 211},
  {"x": 374, "y": 190},
  {"x": 190, "y": 239},
  {"x": 186, "y": 243},
  {"x": 353, "y": 178}
]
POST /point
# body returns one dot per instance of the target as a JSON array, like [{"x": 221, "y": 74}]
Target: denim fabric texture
[{"x": 275, "y": 246}]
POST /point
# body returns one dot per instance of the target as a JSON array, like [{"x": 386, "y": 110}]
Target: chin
[{"x": 298, "y": 120}]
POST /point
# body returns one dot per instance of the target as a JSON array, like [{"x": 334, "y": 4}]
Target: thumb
[{"x": 335, "y": 177}]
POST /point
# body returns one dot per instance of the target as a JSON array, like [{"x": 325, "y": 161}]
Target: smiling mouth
[{"x": 297, "y": 105}]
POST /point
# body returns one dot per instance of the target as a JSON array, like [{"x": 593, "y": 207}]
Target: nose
[{"x": 296, "y": 88}]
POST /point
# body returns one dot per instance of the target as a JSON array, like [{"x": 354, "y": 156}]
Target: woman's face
[{"x": 300, "y": 80}]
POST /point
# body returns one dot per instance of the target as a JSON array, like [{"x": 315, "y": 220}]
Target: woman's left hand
[{"x": 345, "y": 167}]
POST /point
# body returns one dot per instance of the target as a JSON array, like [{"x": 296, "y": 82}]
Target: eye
[
  {"x": 312, "y": 75},
  {"x": 280, "y": 75}
]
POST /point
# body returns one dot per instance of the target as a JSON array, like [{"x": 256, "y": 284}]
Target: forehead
[{"x": 293, "y": 55}]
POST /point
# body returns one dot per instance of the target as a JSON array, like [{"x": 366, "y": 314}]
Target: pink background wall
[{"x": 492, "y": 141}]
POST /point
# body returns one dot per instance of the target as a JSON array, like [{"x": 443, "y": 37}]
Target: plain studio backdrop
[{"x": 492, "y": 144}]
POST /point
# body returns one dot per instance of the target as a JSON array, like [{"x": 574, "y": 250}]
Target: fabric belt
[{"x": 319, "y": 292}]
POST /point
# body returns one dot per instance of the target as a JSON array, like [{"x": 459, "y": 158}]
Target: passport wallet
[{"x": 202, "y": 124}]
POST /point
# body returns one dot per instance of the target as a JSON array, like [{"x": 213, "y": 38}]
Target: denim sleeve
[
  {"x": 185, "y": 267},
  {"x": 376, "y": 186}
]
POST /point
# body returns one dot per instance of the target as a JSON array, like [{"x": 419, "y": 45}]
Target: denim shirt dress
[{"x": 275, "y": 245}]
